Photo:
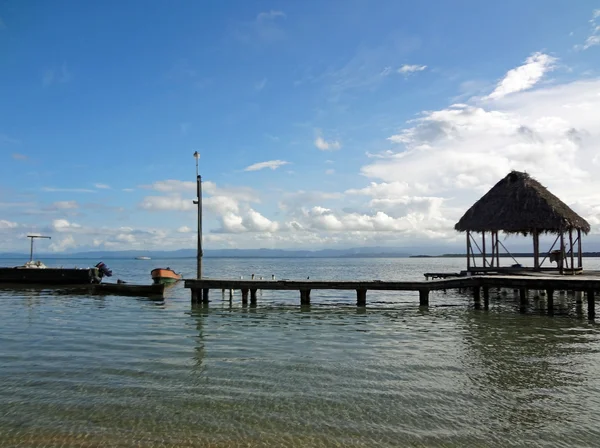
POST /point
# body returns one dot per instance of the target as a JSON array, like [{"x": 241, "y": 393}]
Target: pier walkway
[{"x": 480, "y": 286}]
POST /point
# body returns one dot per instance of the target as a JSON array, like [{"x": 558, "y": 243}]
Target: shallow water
[{"x": 116, "y": 371}]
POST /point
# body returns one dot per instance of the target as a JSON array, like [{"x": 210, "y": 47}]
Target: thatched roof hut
[{"x": 520, "y": 204}]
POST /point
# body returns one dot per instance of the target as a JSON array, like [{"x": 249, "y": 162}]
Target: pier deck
[{"x": 589, "y": 284}]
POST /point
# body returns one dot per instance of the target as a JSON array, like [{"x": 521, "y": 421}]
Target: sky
[{"x": 320, "y": 124}]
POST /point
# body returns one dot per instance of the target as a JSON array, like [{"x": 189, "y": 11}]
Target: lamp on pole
[{"x": 198, "y": 202}]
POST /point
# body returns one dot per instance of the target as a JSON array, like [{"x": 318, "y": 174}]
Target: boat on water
[
  {"x": 129, "y": 289},
  {"x": 164, "y": 276},
  {"x": 143, "y": 258},
  {"x": 36, "y": 272}
]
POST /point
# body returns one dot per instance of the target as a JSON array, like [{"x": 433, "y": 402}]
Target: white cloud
[
  {"x": 450, "y": 157},
  {"x": 4, "y": 224},
  {"x": 256, "y": 222},
  {"x": 172, "y": 185},
  {"x": 102, "y": 186},
  {"x": 128, "y": 190},
  {"x": 184, "y": 229},
  {"x": 594, "y": 38},
  {"x": 67, "y": 190},
  {"x": 271, "y": 164},
  {"x": 407, "y": 69},
  {"x": 330, "y": 171},
  {"x": 62, "y": 225},
  {"x": 525, "y": 76},
  {"x": 167, "y": 203},
  {"x": 270, "y": 15},
  {"x": 67, "y": 242},
  {"x": 65, "y": 205},
  {"x": 324, "y": 145}
]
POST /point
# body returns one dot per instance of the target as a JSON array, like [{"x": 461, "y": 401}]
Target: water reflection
[{"x": 527, "y": 366}]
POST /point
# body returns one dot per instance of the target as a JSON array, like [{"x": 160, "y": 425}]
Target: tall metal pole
[
  {"x": 198, "y": 201},
  {"x": 31, "y": 247}
]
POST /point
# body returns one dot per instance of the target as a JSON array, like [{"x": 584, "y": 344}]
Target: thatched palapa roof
[{"x": 520, "y": 204}]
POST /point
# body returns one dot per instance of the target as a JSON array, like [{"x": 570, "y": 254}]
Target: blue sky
[{"x": 320, "y": 124}]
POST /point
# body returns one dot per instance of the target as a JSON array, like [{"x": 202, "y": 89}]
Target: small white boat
[{"x": 142, "y": 258}]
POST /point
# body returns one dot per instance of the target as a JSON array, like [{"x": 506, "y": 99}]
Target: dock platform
[{"x": 480, "y": 285}]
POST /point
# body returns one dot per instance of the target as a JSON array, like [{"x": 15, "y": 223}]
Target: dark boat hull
[
  {"x": 48, "y": 276},
  {"x": 128, "y": 289}
]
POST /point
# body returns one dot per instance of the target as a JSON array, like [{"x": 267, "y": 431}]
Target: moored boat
[
  {"x": 143, "y": 258},
  {"x": 164, "y": 276},
  {"x": 129, "y": 289}
]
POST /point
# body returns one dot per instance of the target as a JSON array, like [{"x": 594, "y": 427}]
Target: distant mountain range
[{"x": 224, "y": 253}]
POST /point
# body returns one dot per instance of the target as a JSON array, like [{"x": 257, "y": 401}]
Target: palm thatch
[{"x": 520, "y": 204}]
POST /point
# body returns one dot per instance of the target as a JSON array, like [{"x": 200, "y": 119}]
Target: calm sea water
[{"x": 78, "y": 371}]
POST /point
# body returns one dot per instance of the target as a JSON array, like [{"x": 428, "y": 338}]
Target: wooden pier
[{"x": 480, "y": 285}]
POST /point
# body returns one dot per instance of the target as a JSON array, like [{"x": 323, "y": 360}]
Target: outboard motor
[{"x": 103, "y": 269}]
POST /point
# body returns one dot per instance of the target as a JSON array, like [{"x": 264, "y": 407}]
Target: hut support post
[
  {"x": 536, "y": 249},
  {"x": 468, "y": 250},
  {"x": 571, "y": 251},
  {"x": 497, "y": 251},
  {"x": 550, "y": 300},
  {"x": 579, "y": 253},
  {"x": 561, "y": 263},
  {"x": 591, "y": 304},
  {"x": 483, "y": 249}
]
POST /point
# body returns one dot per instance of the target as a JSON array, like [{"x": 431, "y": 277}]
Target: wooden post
[
  {"x": 423, "y": 297},
  {"x": 230, "y": 295},
  {"x": 483, "y": 248},
  {"x": 468, "y": 250},
  {"x": 536, "y": 249},
  {"x": 493, "y": 249},
  {"x": 305, "y": 297},
  {"x": 205, "y": 295},
  {"x": 523, "y": 299},
  {"x": 561, "y": 263},
  {"x": 253, "y": 296},
  {"x": 572, "y": 259},
  {"x": 591, "y": 304},
  {"x": 579, "y": 254},
  {"x": 361, "y": 297},
  {"x": 497, "y": 251},
  {"x": 486, "y": 297},
  {"x": 550, "y": 298},
  {"x": 477, "y": 296},
  {"x": 195, "y": 297},
  {"x": 244, "y": 296}
]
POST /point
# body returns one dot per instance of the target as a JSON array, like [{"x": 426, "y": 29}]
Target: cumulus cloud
[
  {"x": 325, "y": 145},
  {"x": 167, "y": 203},
  {"x": 4, "y": 224},
  {"x": 184, "y": 229},
  {"x": 62, "y": 225},
  {"x": 459, "y": 152},
  {"x": 407, "y": 69},
  {"x": 68, "y": 242},
  {"x": 271, "y": 164},
  {"x": 525, "y": 76}
]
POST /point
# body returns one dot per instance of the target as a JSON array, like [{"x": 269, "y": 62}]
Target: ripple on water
[{"x": 82, "y": 371}]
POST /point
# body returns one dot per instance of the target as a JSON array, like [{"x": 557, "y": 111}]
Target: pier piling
[
  {"x": 550, "y": 300},
  {"x": 486, "y": 297},
  {"x": 253, "y": 296},
  {"x": 361, "y": 297},
  {"x": 423, "y": 297},
  {"x": 244, "y": 296},
  {"x": 591, "y": 304},
  {"x": 305, "y": 296}
]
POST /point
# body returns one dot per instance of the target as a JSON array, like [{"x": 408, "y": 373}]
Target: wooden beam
[
  {"x": 572, "y": 258},
  {"x": 579, "y": 253},
  {"x": 483, "y": 248},
  {"x": 561, "y": 263},
  {"x": 536, "y": 249},
  {"x": 468, "y": 250}
]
